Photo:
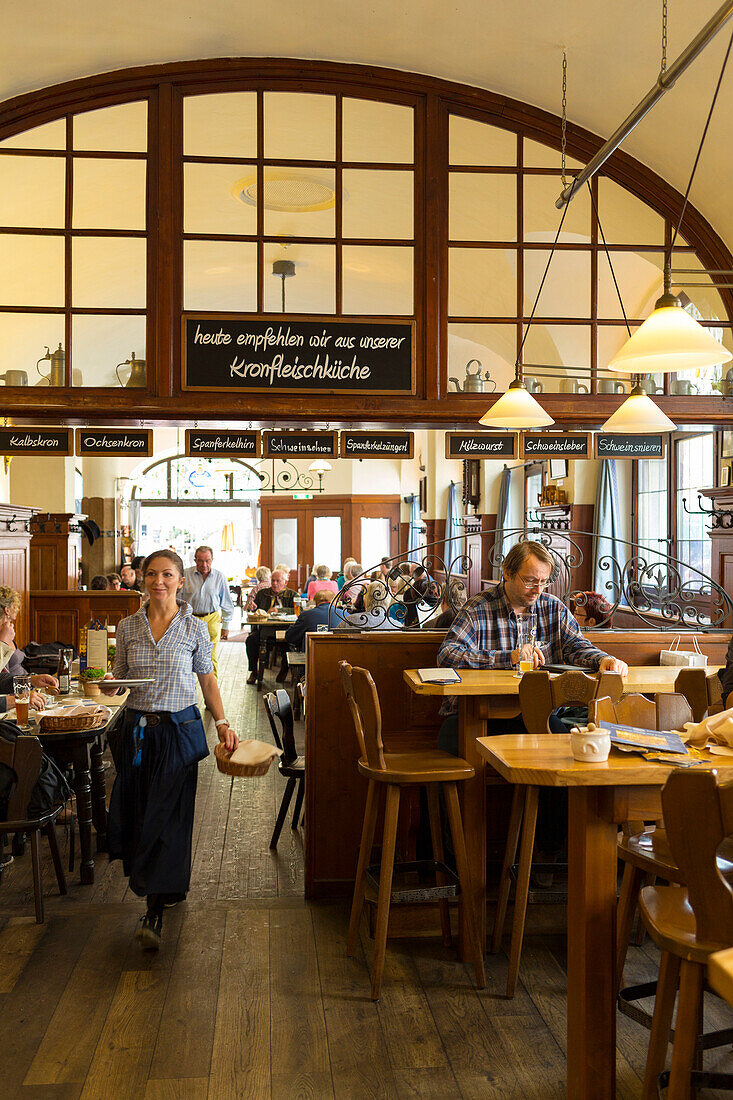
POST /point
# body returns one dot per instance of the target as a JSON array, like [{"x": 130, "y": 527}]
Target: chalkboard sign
[
  {"x": 35, "y": 441},
  {"x": 628, "y": 446},
  {"x": 226, "y": 444},
  {"x": 101, "y": 441},
  {"x": 555, "y": 445},
  {"x": 480, "y": 444},
  {"x": 245, "y": 353},
  {"x": 377, "y": 444},
  {"x": 300, "y": 445}
]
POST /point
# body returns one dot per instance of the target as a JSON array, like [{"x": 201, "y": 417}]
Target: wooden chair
[
  {"x": 290, "y": 765},
  {"x": 539, "y": 695},
  {"x": 23, "y": 756},
  {"x": 688, "y": 925},
  {"x": 702, "y": 692},
  {"x": 391, "y": 772}
]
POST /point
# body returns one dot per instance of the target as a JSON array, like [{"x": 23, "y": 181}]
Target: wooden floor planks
[{"x": 252, "y": 996}]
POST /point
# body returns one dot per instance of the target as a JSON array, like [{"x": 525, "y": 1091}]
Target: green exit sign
[{"x": 302, "y": 496}]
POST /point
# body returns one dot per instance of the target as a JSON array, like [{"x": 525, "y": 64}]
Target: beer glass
[{"x": 22, "y": 692}]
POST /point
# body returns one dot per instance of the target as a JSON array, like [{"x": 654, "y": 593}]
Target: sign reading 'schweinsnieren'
[{"x": 245, "y": 353}]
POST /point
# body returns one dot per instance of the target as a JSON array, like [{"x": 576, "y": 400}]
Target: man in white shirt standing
[{"x": 207, "y": 590}]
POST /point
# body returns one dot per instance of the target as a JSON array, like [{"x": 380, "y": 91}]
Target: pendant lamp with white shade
[
  {"x": 638, "y": 416},
  {"x": 516, "y": 408}
]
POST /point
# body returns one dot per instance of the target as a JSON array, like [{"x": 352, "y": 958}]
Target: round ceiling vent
[{"x": 286, "y": 191}]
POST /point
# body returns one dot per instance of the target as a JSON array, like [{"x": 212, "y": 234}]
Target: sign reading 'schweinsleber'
[
  {"x": 377, "y": 444},
  {"x": 36, "y": 441},
  {"x": 244, "y": 353},
  {"x": 224, "y": 444},
  {"x": 555, "y": 445}
]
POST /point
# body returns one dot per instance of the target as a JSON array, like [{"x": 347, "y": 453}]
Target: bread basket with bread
[{"x": 250, "y": 758}]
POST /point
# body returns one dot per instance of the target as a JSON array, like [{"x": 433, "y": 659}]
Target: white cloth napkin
[
  {"x": 716, "y": 729},
  {"x": 74, "y": 710}
]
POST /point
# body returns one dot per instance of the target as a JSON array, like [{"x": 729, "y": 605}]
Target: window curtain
[
  {"x": 414, "y": 531},
  {"x": 607, "y": 533},
  {"x": 454, "y": 546},
  {"x": 503, "y": 520},
  {"x": 133, "y": 515}
]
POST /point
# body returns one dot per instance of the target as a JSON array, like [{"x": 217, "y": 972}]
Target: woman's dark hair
[
  {"x": 171, "y": 555},
  {"x": 139, "y": 562},
  {"x": 99, "y": 583}
]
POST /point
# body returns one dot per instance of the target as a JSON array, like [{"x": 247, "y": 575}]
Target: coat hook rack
[{"x": 720, "y": 517}]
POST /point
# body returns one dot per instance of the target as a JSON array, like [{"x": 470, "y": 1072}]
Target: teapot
[
  {"x": 57, "y": 375},
  {"x": 474, "y": 382},
  {"x": 138, "y": 378}
]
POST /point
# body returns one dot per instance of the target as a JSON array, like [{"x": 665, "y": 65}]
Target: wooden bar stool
[{"x": 392, "y": 772}]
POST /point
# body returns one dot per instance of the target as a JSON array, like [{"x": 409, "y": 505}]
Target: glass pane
[
  {"x": 476, "y": 143},
  {"x": 533, "y": 490},
  {"x": 32, "y": 192},
  {"x": 611, "y": 338},
  {"x": 123, "y": 128},
  {"x": 482, "y": 282},
  {"x": 220, "y": 275},
  {"x": 32, "y": 273},
  {"x": 52, "y": 135},
  {"x": 566, "y": 292},
  {"x": 313, "y": 287},
  {"x": 483, "y": 207},
  {"x": 639, "y": 278},
  {"x": 327, "y": 541},
  {"x": 299, "y": 202},
  {"x": 378, "y": 280},
  {"x": 109, "y": 194},
  {"x": 626, "y": 219},
  {"x": 220, "y": 125},
  {"x": 108, "y": 271},
  {"x": 377, "y": 204},
  {"x": 495, "y": 347},
  {"x": 212, "y": 202},
  {"x": 24, "y": 338},
  {"x": 542, "y": 218},
  {"x": 559, "y": 351},
  {"x": 285, "y": 541},
  {"x": 704, "y": 298},
  {"x": 300, "y": 126},
  {"x": 374, "y": 131},
  {"x": 537, "y": 155},
  {"x": 99, "y": 343},
  {"x": 694, "y": 471},
  {"x": 375, "y": 540},
  {"x": 708, "y": 380}
]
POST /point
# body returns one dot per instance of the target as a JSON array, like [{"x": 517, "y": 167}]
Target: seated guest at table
[
  {"x": 725, "y": 675},
  {"x": 137, "y": 565},
  {"x": 341, "y": 578},
  {"x": 99, "y": 583},
  {"x": 115, "y": 581},
  {"x": 128, "y": 578},
  {"x": 321, "y": 614},
  {"x": 454, "y": 598},
  {"x": 322, "y": 582},
  {"x": 375, "y": 615},
  {"x": 352, "y": 592},
  {"x": 592, "y": 611},
  {"x": 263, "y": 577},
  {"x": 11, "y": 658},
  {"x": 278, "y": 595}
]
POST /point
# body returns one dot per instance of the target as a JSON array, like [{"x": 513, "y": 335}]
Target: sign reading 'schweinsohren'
[
  {"x": 480, "y": 444},
  {"x": 223, "y": 444},
  {"x": 245, "y": 353},
  {"x": 35, "y": 441},
  {"x": 555, "y": 445},
  {"x": 377, "y": 444},
  {"x": 117, "y": 441},
  {"x": 628, "y": 446},
  {"x": 300, "y": 445}
]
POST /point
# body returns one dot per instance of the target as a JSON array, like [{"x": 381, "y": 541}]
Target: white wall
[{"x": 43, "y": 482}]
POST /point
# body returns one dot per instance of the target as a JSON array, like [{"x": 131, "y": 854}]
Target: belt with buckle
[
  {"x": 151, "y": 718},
  {"x": 203, "y": 614}
]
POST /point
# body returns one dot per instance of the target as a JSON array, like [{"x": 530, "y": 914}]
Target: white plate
[{"x": 125, "y": 683}]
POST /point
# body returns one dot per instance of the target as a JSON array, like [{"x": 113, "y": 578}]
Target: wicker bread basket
[
  {"x": 250, "y": 758},
  {"x": 75, "y": 723}
]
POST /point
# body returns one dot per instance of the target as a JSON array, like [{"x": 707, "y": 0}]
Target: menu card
[
  {"x": 640, "y": 740},
  {"x": 438, "y": 676}
]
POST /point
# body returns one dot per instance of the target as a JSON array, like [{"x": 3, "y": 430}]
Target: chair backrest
[
  {"x": 540, "y": 694},
  {"x": 698, "y": 815},
  {"x": 278, "y": 706},
  {"x": 23, "y": 756},
  {"x": 701, "y": 691},
  {"x": 664, "y": 712},
  {"x": 363, "y": 701}
]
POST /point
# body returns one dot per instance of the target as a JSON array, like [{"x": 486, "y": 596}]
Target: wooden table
[
  {"x": 720, "y": 973},
  {"x": 83, "y": 750},
  {"x": 600, "y": 798},
  {"x": 268, "y": 629}
]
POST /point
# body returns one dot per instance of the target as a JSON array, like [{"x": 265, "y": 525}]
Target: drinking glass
[
  {"x": 22, "y": 693},
  {"x": 526, "y": 634}
]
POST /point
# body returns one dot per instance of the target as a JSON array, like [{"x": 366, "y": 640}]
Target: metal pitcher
[
  {"x": 57, "y": 375},
  {"x": 138, "y": 376},
  {"x": 725, "y": 385},
  {"x": 474, "y": 383}
]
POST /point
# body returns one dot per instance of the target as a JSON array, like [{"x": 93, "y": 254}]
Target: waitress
[{"x": 162, "y": 740}]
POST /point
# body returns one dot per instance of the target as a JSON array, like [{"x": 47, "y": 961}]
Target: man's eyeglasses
[{"x": 530, "y": 583}]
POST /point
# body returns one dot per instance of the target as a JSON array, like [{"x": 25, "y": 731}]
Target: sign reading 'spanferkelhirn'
[
  {"x": 224, "y": 444},
  {"x": 300, "y": 444},
  {"x": 377, "y": 444},
  {"x": 101, "y": 441},
  {"x": 555, "y": 445},
  {"x": 480, "y": 444},
  {"x": 36, "y": 441},
  {"x": 245, "y": 353}
]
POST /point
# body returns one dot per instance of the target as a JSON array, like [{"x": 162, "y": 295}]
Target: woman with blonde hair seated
[
  {"x": 375, "y": 616},
  {"x": 263, "y": 576},
  {"x": 322, "y": 583}
]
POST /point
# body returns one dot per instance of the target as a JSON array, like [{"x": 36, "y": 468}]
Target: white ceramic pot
[{"x": 591, "y": 746}]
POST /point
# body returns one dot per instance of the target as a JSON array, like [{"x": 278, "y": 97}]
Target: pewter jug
[
  {"x": 725, "y": 385},
  {"x": 57, "y": 374},
  {"x": 474, "y": 383},
  {"x": 138, "y": 377}
]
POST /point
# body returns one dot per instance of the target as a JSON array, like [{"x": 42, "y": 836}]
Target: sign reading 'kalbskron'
[
  {"x": 35, "y": 441},
  {"x": 224, "y": 444},
  {"x": 300, "y": 445},
  {"x": 377, "y": 445},
  {"x": 102, "y": 441},
  {"x": 628, "y": 446},
  {"x": 314, "y": 355},
  {"x": 555, "y": 445},
  {"x": 481, "y": 445}
]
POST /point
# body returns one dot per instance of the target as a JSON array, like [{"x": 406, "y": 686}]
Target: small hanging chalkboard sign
[
  {"x": 222, "y": 444},
  {"x": 628, "y": 446},
  {"x": 555, "y": 445},
  {"x": 377, "y": 444},
  {"x": 36, "y": 441},
  {"x": 480, "y": 445},
  {"x": 306, "y": 444},
  {"x": 118, "y": 442}
]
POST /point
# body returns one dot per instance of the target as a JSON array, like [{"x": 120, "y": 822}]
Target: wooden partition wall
[
  {"x": 56, "y": 543},
  {"x": 58, "y": 616},
  {"x": 336, "y": 793},
  {"x": 15, "y": 542}
]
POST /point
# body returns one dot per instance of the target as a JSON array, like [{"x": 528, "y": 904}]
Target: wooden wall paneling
[
  {"x": 15, "y": 562},
  {"x": 58, "y": 616},
  {"x": 55, "y": 551}
]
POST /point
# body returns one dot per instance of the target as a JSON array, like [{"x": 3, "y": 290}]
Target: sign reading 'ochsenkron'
[
  {"x": 35, "y": 441},
  {"x": 555, "y": 445},
  {"x": 101, "y": 441},
  {"x": 300, "y": 445},
  {"x": 480, "y": 445},
  {"x": 377, "y": 444},
  {"x": 222, "y": 444},
  {"x": 317, "y": 355}
]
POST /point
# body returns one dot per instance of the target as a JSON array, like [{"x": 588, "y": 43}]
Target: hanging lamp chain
[
  {"x": 564, "y": 122},
  {"x": 664, "y": 36}
]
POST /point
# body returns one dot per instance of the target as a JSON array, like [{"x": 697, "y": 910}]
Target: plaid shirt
[
  {"x": 182, "y": 652},
  {"x": 484, "y": 633}
]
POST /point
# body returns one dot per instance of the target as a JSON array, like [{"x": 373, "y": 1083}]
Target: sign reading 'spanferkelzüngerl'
[
  {"x": 245, "y": 353},
  {"x": 377, "y": 444},
  {"x": 102, "y": 441},
  {"x": 35, "y": 441},
  {"x": 300, "y": 445},
  {"x": 555, "y": 445},
  {"x": 224, "y": 444},
  {"x": 480, "y": 444},
  {"x": 628, "y": 446}
]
